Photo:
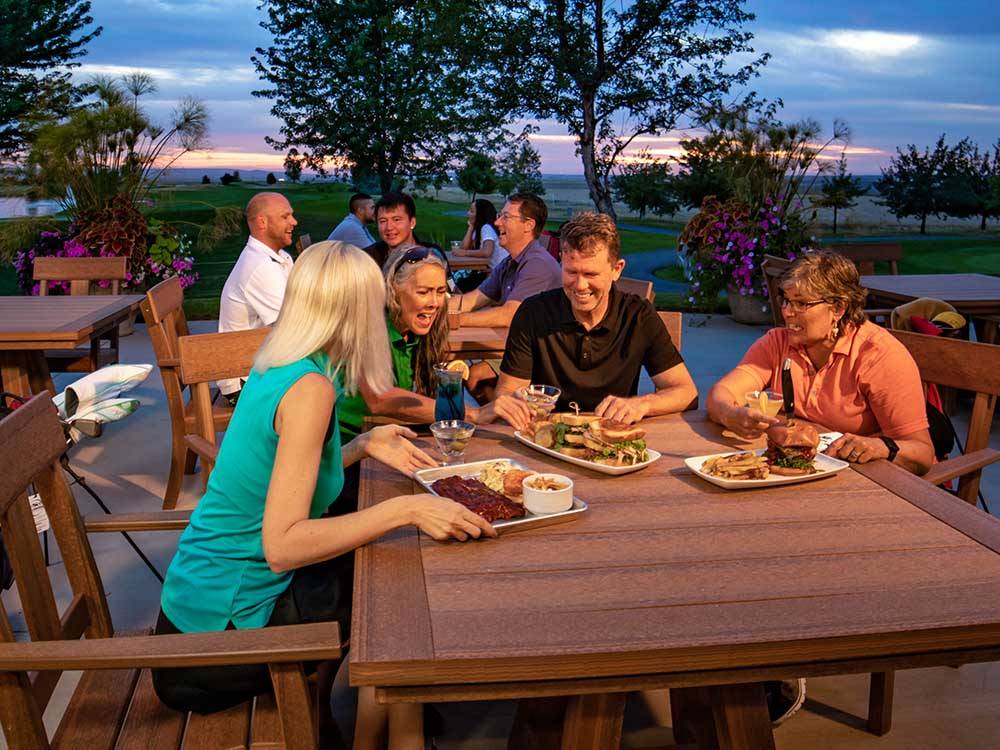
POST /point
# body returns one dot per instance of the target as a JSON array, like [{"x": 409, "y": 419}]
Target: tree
[
  {"x": 912, "y": 184},
  {"x": 385, "y": 88},
  {"x": 967, "y": 185},
  {"x": 39, "y": 39},
  {"x": 615, "y": 72},
  {"x": 226, "y": 178},
  {"x": 519, "y": 166},
  {"x": 840, "y": 190},
  {"x": 271, "y": 179},
  {"x": 478, "y": 175},
  {"x": 644, "y": 185},
  {"x": 293, "y": 165},
  {"x": 206, "y": 180}
]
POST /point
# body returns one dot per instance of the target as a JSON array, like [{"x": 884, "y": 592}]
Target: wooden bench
[
  {"x": 81, "y": 273},
  {"x": 866, "y": 254},
  {"x": 114, "y": 705}
]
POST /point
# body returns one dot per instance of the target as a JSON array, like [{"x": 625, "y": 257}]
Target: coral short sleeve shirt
[{"x": 870, "y": 385}]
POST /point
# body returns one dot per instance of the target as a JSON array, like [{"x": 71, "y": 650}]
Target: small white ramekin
[{"x": 542, "y": 502}]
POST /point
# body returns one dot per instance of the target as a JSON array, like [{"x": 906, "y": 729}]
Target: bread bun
[
  {"x": 616, "y": 432},
  {"x": 789, "y": 471},
  {"x": 573, "y": 438},
  {"x": 580, "y": 452},
  {"x": 793, "y": 434},
  {"x": 573, "y": 420}
]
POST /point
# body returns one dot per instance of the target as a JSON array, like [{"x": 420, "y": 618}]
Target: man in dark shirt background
[
  {"x": 591, "y": 340},
  {"x": 396, "y": 217}
]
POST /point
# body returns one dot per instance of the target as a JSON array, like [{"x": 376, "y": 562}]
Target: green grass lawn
[{"x": 319, "y": 207}]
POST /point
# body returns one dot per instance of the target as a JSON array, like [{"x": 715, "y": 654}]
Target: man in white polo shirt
[{"x": 255, "y": 288}]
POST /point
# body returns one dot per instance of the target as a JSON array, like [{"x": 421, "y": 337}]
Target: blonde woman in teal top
[{"x": 257, "y": 551}]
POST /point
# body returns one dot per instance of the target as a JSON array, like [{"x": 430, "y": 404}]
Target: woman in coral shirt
[{"x": 848, "y": 374}]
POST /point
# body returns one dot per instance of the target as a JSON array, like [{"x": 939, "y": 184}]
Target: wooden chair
[
  {"x": 774, "y": 267},
  {"x": 204, "y": 359},
  {"x": 637, "y": 287},
  {"x": 674, "y": 323},
  {"x": 163, "y": 312},
  {"x": 114, "y": 704},
  {"x": 866, "y": 255},
  {"x": 80, "y": 273},
  {"x": 302, "y": 243}
]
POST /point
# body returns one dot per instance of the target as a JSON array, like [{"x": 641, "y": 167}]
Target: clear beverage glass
[
  {"x": 541, "y": 399},
  {"x": 452, "y": 437},
  {"x": 450, "y": 401},
  {"x": 769, "y": 402}
]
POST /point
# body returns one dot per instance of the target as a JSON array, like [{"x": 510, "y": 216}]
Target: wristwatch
[{"x": 891, "y": 445}]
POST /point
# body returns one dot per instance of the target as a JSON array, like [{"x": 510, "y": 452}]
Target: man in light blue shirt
[{"x": 361, "y": 211}]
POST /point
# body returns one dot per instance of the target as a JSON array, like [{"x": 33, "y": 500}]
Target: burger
[
  {"x": 591, "y": 438},
  {"x": 791, "y": 448}
]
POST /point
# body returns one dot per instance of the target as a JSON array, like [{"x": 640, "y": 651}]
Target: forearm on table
[
  {"x": 314, "y": 540},
  {"x": 669, "y": 400},
  {"x": 721, "y": 403},
  {"x": 915, "y": 455},
  {"x": 499, "y": 316},
  {"x": 406, "y": 406}
]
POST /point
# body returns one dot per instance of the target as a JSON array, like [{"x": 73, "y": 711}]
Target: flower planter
[{"x": 752, "y": 309}]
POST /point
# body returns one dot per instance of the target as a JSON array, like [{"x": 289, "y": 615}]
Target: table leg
[
  {"x": 14, "y": 373},
  {"x": 722, "y": 717},
  {"x": 38, "y": 373},
  {"x": 594, "y": 722}
]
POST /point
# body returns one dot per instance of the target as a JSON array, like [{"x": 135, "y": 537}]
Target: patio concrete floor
[{"x": 934, "y": 708}]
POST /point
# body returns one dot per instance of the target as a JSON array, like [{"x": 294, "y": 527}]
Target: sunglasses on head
[{"x": 419, "y": 254}]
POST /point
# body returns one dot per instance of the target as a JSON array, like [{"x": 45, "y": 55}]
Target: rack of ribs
[{"x": 478, "y": 498}]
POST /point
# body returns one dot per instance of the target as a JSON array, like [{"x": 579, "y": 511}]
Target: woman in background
[{"x": 481, "y": 239}]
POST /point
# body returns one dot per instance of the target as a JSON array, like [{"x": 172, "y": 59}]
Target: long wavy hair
[
  {"x": 433, "y": 348},
  {"x": 486, "y": 213},
  {"x": 334, "y": 303}
]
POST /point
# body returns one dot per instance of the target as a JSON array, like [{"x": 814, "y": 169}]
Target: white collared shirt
[{"x": 253, "y": 293}]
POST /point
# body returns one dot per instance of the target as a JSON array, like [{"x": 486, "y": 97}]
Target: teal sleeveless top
[{"x": 219, "y": 574}]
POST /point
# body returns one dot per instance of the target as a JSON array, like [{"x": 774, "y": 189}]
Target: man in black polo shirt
[{"x": 591, "y": 340}]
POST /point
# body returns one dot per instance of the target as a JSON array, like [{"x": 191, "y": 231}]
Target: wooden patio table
[
  {"x": 670, "y": 582},
  {"x": 477, "y": 342},
  {"x": 30, "y": 325},
  {"x": 467, "y": 263}
]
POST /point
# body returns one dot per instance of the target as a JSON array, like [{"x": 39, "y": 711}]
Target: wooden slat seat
[
  {"x": 866, "y": 254},
  {"x": 81, "y": 273},
  {"x": 637, "y": 287},
  {"x": 114, "y": 705}
]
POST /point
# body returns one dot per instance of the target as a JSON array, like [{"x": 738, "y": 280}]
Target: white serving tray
[
  {"x": 826, "y": 466},
  {"x": 427, "y": 477},
  {"x": 612, "y": 470}
]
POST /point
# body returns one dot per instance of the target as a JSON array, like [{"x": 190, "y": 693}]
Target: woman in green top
[{"x": 256, "y": 551}]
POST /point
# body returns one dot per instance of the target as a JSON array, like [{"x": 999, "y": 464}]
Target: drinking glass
[
  {"x": 456, "y": 245},
  {"x": 769, "y": 402},
  {"x": 452, "y": 436},
  {"x": 450, "y": 402},
  {"x": 541, "y": 399}
]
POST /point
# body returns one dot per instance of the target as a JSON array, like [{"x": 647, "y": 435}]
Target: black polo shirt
[{"x": 547, "y": 345}]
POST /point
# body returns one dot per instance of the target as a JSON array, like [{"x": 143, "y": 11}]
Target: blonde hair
[
  {"x": 334, "y": 303},
  {"x": 829, "y": 276},
  {"x": 433, "y": 347}
]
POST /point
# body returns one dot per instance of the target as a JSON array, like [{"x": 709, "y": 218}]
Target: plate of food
[
  {"x": 790, "y": 457},
  {"x": 506, "y": 493},
  {"x": 589, "y": 441}
]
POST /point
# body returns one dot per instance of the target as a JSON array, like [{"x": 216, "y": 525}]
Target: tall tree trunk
[
  {"x": 982, "y": 223},
  {"x": 834, "y": 219},
  {"x": 923, "y": 223},
  {"x": 599, "y": 192}
]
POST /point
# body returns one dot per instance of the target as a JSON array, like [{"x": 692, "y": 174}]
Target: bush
[
  {"x": 226, "y": 178},
  {"x": 271, "y": 179},
  {"x": 206, "y": 180}
]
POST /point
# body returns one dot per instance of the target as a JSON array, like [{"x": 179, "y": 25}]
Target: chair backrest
[
  {"x": 637, "y": 287},
  {"x": 865, "y": 255},
  {"x": 550, "y": 241},
  {"x": 208, "y": 357},
  {"x": 303, "y": 242},
  {"x": 79, "y": 272},
  {"x": 773, "y": 268},
  {"x": 967, "y": 365},
  {"x": 31, "y": 442},
  {"x": 674, "y": 322},
  {"x": 163, "y": 311}
]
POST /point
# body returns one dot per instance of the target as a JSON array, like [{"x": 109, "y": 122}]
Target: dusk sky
[{"x": 897, "y": 72}]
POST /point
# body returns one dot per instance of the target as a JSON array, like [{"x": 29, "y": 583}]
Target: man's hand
[
  {"x": 509, "y": 408},
  {"x": 749, "y": 423},
  {"x": 389, "y": 445},
  {"x": 857, "y": 449},
  {"x": 618, "y": 409}
]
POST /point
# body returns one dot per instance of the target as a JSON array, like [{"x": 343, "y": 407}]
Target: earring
[{"x": 834, "y": 332}]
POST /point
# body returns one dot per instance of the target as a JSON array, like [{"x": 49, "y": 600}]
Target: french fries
[{"x": 737, "y": 466}]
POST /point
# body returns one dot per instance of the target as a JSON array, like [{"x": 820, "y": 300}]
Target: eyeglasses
[
  {"x": 798, "y": 306},
  {"x": 504, "y": 215},
  {"x": 419, "y": 254}
]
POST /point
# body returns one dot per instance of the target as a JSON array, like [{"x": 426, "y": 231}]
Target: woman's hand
[
  {"x": 389, "y": 445},
  {"x": 443, "y": 519},
  {"x": 747, "y": 422},
  {"x": 857, "y": 449}
]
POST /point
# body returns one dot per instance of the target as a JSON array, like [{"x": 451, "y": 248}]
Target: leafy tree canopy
[
  {"x": 36, "y": 37},
  {"x": 839, "y": 190},
  {"x": 478, "y": 175},
  {"x": 382, "y": 88},
  {"x": 614, "y": 72},
  {"x": 912, "y": 184},
  {"x": 644, "y": 186}
]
